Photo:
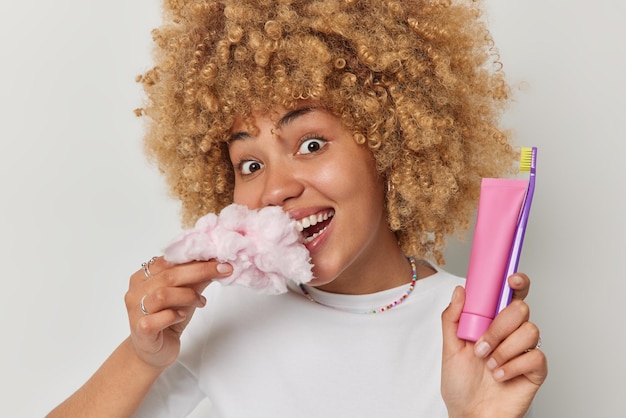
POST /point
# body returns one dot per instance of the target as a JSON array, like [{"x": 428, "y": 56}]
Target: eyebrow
[
  {"x": 285, "y": 120},
  {"x": 289, "y": 117}
]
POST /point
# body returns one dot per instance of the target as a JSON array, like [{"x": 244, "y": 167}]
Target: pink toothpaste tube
[{"x": 499, "y": 208}]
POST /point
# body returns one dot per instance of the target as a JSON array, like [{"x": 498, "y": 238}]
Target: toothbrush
[{"x": 528, "y": 162}]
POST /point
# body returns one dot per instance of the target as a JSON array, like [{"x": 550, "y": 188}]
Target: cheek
[
  {"x": 243, "y": 195},
  {"x": 357, "y": 180}
]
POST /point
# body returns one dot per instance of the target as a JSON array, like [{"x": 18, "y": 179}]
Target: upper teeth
[{"x": 304, "y": 223}]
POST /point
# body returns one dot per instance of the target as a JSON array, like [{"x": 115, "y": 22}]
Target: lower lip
[{"x": 319, "y": 240}]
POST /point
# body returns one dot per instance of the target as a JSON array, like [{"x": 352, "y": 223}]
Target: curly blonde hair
[{"x": 418, "y": 81}]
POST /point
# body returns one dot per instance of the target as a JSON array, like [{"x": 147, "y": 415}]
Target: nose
[{"x": 282, "y": 183}]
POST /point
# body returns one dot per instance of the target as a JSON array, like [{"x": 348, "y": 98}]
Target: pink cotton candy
[{"x": 263, "y": 246}]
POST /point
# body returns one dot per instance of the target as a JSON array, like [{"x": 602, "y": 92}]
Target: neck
[
  {"x": 373, "y": 272},
  {"x": 368, "y": 310}
]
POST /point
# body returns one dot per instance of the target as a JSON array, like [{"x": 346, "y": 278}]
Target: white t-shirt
[{"x": 284, "y": 356}]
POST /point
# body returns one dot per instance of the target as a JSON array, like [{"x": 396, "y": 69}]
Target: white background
[{"x": 81, "y": 208}]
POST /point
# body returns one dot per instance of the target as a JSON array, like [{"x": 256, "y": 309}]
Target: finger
[
  {"x": 519, "y": 342},
  {"x": 197, "y": 274},
  {"x": 164, "y": 298},
  {"x": 520, "y": 284},
  {"x": 503, "y": 325},
  {"x": 450, "y": 323},
  {"x": 532, "y": 364},
  {"x": 147, "y": 328},
  {"x": 149, "y": 269}
]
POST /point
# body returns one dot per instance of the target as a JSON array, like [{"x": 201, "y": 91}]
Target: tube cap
[{"x": 472, "y": 326}]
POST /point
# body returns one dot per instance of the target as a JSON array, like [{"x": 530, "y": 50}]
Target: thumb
[{"x": 450, "y": 323}]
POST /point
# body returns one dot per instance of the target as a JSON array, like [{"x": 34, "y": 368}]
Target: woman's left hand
[{"x": 500, "y": 374}]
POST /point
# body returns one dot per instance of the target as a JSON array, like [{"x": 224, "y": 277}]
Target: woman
[{"x": 372, "y": 120}]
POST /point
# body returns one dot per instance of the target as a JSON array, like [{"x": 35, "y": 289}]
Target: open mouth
[{"x": 314, "y": 225}]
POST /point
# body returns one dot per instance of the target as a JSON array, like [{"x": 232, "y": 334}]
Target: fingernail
[
  {"x": 202, "y": 300},
  {"x": 481, "y": 349},
  {"x": 498, "y": 374},
  {"x": 492, "y": 364},
  {"x": 517, "y": 280},
  {"x": 224, "y": 268}
]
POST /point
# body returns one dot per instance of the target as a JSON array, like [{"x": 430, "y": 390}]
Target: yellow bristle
[{"x": 525, "y": 159}]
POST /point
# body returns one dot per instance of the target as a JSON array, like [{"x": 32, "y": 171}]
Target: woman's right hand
[{"x": 169, "y": 295}]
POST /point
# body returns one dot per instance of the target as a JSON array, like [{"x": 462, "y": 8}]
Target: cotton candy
[{"x": 263, "y": 246}]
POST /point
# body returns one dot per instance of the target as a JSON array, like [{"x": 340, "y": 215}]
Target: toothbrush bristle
[{"x": 526, "y": 158}]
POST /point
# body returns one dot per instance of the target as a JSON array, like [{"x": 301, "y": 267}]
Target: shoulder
[
  {"x": 436, "y": 289},
  {"x": 441, "y": 278}
]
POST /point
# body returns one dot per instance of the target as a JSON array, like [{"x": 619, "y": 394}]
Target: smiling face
[{"x": 308, "y": 163}]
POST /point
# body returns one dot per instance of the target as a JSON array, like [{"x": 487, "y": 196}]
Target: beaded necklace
[{"x": 386, "y": 307}]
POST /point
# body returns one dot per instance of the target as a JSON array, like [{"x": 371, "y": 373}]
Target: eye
[
  {"x": 312, "y": 145},
  {"x": 249, "y": 167}
]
